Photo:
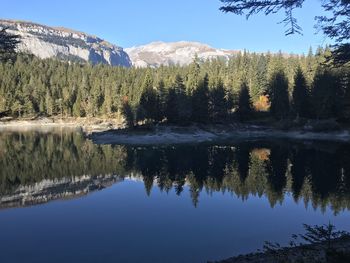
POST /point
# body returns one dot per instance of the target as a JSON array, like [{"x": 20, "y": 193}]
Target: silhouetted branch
[{"x": 252, "y": 7}]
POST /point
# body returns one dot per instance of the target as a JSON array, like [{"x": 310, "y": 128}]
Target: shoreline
[
  {"x": 111, "y": 131},
  {"x": 88, "y": 125},
  {"x": 195, "y": 134}
]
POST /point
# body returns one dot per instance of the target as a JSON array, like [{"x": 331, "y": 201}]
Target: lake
[{"x": 65, "y": 199}]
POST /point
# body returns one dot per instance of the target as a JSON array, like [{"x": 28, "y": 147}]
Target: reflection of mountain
[
  {"x": 36, "y": 166},
  {"x": 48, "y": 190}
]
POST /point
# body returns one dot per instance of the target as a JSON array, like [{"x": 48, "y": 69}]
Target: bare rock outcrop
[{"x": 47, "y": 42}]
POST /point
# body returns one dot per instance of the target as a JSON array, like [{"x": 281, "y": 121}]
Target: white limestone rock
[
  {"x": 156, "y": 54},
  {"x": 46, "y": 42}
]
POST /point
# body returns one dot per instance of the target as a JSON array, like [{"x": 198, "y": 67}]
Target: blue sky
[{"x": 134, "y": 22}]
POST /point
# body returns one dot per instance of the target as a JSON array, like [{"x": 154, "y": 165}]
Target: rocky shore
[
  {"x": 198, "y": 134},
  {"x": 112, "y": 131},
  {"x": 315, "y": 253}
]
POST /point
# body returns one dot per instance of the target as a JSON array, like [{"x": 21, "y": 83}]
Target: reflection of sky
[{"x": 123, "y": 224}]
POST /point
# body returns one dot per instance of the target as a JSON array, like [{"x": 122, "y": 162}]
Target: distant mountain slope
[
  {"x": 45, "y": 42},
  {"x": 161, "y": 53}
]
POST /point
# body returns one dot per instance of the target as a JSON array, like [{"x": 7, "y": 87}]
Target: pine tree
[
  {"x": 107, "y": 103},
  {"x": 245, "y": 108},
  {"x": 258, "y": 88},
  {"x": 183, "y": 103},
  {"x": 326, "y": 94},
  {"x": 128, "y": 114},
  {"x": 161, "y": 100},
  {"x": 17, "y": 108},
  {"x": 77, "y": 110},
  {"x": 218, "y": 108},
  {"x": 200, "y": 102},
  {"x": 171, "y": 112},
  {"x": 301, "y": 98},
  {"x": 148, "y": 106},
  {"x": 50, "y": 107},
  {"x": 310, "y": 67},
  {"x": 193, "y": 77},
  {"x": 346, "y": 100},
  {"x": 279, "y": 95}
]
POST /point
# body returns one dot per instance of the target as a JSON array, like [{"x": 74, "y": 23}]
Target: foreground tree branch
[{"x": 335, "y": 26}]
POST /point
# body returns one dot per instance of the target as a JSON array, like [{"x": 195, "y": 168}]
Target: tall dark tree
[
  {"x": 300, "y": 96},
  {"x": 183, "y": 102},
  {"x": 200, "y": 102},
  {"x": 171, "y": 112},
  {"x": 326, "y": 95},
  {"x": 245, "y": 108},
  {"x": 346, "y": 100},
  {"x": 8, "y": 44},
  {"x": 218, "y": 109},
  {"x": 261, "y": 85},
  {"x": 127, "y": 113},
  {"x": 148, "y": 107},
  {"x": 193, "y": 77},
  {"x": 279, "y": 95},
  {"x": 161, "y": 100},
  {"x": 178, "y": 109}
]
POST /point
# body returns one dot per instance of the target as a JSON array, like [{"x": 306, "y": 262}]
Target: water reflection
[{"x": 37, "y": 167}]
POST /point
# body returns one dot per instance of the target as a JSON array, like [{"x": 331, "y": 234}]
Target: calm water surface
[{"x": 65, "y": 199}]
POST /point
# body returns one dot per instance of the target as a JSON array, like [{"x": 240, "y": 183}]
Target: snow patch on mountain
[{"x": 156, "y": 54}]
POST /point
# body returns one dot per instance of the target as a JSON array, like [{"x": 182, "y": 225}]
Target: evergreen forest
[{"x": 249, "y": 86}]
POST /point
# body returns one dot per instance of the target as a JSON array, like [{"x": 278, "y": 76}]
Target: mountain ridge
[
  {"x": 66, "y": 44},
  {"x": 160, "y": 53}
]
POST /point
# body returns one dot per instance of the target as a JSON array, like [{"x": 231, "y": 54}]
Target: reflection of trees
[
  {"x": 28, "y": 158},
  {"x": 276, "y": 170},
  {"x": 298, "y": 170},
  {"x": 242, "y": 155},
  {"x": 318, "y": 175}
]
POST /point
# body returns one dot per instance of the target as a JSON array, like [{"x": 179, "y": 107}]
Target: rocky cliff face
[
  {"x": 66, "y": 44},
  {"x": 183, "y": 53}
]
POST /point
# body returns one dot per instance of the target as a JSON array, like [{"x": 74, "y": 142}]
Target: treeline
[{"x": 216, "y": 91}]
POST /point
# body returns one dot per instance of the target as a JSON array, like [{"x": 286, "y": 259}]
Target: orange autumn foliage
[
  {"x": 262, "y": 104},
  {"x": 262, "y": 154}
]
